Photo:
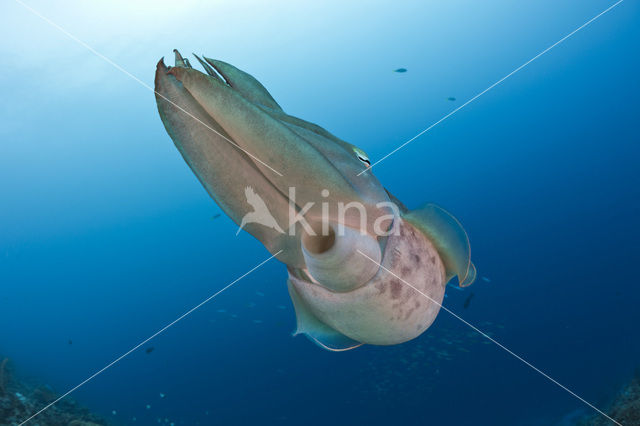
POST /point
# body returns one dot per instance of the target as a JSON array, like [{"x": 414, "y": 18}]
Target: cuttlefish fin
[
  {"x": 317, "y": 331},
  {"x": 471, "y": 276},
  {"x": 244, "y": 83},
  {"x": 449, "y": 238}
]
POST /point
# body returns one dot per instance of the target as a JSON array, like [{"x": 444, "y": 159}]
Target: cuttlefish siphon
[{"x": 363, "y": 269}]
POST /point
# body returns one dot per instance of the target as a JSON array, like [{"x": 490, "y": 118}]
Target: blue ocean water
[{"x": 106, "y": 236}]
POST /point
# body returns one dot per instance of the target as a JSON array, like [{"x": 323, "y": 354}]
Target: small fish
[
  {"x": 150, "y": 349},
  {"x": 257, "y": 321},
  {"x": 70, "y": 342},
  {"x": 221, "y": 311},
  {"x": 215, "y": 216},
  {"x": 259, "y": 293},
  {"x": 485, "y": 279},
  {"x": 114, "y": 412},
  {"x": 451, "y": 98},
  {"x": 281, "y": 307},
  {"x": 148, "y": 407},
  {"x": 400, "y": 70},
  {"x": 468, "y": 301},
  {"x": 162, "y": 395}
]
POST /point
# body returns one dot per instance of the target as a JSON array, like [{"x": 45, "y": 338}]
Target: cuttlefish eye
[{"x": 362, "y": 156}]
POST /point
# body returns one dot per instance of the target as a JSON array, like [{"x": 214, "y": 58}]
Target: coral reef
[
  {"x": 625, "y": 408},
  {"x": 19, "y": 400}
]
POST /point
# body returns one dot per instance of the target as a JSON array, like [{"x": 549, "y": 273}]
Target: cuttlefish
[{"x": 363, "y": 269}]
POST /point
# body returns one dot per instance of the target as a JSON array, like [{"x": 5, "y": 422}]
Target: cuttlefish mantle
[{"x": 363, "y": 269}]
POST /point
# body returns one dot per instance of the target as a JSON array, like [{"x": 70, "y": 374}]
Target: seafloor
[
  {"x": 19, "y": 400},
  {"x": 625, "y": 407}
]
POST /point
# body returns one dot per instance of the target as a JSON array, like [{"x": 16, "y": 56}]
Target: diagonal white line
[
  {"x": 493, "y": 85},
  {"x": 121, "y": 357},
  {"x": 142, "y": 83},
  {"x": 500, "y": 345}
]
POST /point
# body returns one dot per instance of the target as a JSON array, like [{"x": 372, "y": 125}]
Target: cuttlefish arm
[
  {"x": 222, "y": 167},
  {"x": 250, "y": 88}
]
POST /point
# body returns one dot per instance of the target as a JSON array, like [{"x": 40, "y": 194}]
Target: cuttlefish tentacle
[
  {"x": 180, "y": 60},
  {"x": 349, "y": 245},
  {"x": 206, "y": 67}
]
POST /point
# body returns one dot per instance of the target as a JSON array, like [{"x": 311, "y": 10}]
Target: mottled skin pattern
[{"x": 385, "y": 311}]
